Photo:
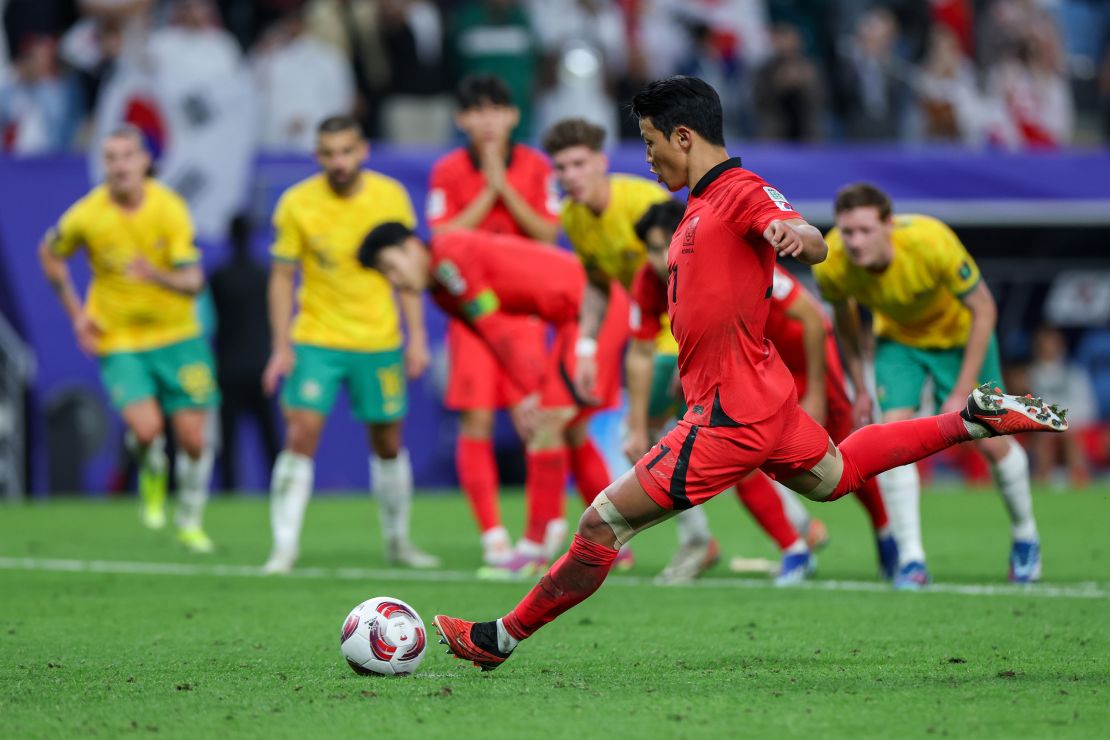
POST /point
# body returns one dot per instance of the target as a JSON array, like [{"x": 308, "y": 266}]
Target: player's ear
[
  {"x": 514, "y": 117},
  {"x": 683, "y": 137}
]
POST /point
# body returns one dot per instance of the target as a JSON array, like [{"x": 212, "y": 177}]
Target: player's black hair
[
  {"x": 335, "y": 124},
  {"x": 665, "y": 215},
  {"x": 682, "y": 101},
  {"x": 477, "y": 90},
  {"x": 389, "y": 234}
]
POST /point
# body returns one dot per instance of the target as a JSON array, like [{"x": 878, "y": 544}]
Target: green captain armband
[{"x": 481, "y": 305}]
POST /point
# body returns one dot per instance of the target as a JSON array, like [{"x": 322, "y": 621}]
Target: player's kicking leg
[
  {"x": 193, "y": 468},
  {"x": 615, "y": 516}
]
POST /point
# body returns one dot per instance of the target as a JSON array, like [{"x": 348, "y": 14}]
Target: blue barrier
[{"x": 955, "y": 184}]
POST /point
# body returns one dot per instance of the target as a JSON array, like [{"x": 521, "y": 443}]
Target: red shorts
[
  {"x": 692, "y": 464},
  {"x": 476, "y": 380},
  {"x": 558, "y": 390}
]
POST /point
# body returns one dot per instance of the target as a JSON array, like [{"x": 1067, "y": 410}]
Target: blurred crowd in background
[{"x": 1011, "y": 74}]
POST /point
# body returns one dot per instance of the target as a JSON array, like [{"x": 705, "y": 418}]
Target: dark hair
[
  {"x": 863, "y": 195},
  {"x": 682, "y": 101},
  {"x": 665, "y": 215},
  {"x": 383, "y": 236},
  {"x": 482, "y": 89},
  {"x": 335, "y": 124},
  {"x": 571, "y": 132}
]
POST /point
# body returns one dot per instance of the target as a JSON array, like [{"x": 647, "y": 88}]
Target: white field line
[{"x": 1086, "y": 590}]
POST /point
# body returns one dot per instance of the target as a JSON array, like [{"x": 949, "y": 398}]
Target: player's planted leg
[
  {"x": 391, "y": 481},
  {"x": 616, "y": 515},
  {"x": 194, "y": 471}
]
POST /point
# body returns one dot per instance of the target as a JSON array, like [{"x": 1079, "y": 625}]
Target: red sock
[
  {"x": 568, "y": 583},
  {"x": 544, "y": 482},
  {"x": 880, "y": 447},
  {"x": 589, "y": 469},
  {"x": 871, "y": 498},
  {"x": 762, "y": 500},
  {"x": 477, "y": 471}
]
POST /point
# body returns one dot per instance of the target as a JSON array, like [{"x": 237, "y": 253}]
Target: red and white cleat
[
  {"x": 458, "y": 636},
  {"x": 1001, "y": 413}
]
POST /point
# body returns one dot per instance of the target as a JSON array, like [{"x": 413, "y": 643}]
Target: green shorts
[
  {"x": 901, "y": 370},
  {"x": 179, "y": 376},
  {"x": 663, "y": 404},
  {"x": 375, "y": 382}
]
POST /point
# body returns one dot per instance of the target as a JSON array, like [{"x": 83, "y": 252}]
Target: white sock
[
  {"x": 192, "y": 488},
  {"x": 391, "y": 482},
  {"x": 290, "y": 489},
  {"x": 554, "y": 537},
  {"x": 506, "y": 643},
  {"x": 901, "y": 490},
  {"x": 693, "y": 527},
  {"x": 796, "y": 511},
  {"x": 530, "y": 549},
  {"x": 798, "y": 546},
  {"x": 1011, "y": 473}
]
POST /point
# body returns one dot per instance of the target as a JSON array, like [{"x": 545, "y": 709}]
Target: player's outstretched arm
[
  {"x": 639, "y": 366},
  {"x": 795, "y": 237}
]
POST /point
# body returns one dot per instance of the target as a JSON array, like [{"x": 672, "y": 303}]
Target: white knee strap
[
  {"x": 611, "y": 516},
  {"x": 828, "y": 471}
]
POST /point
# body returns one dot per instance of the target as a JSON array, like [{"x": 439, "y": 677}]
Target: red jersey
[
  {"x": 456, "y": 179},
  {"x": 784, "y": 332},
  {"x": 649, "y": 303},
  {"x": 487, "y": 279},
  {"x": 720, "y": 274}
]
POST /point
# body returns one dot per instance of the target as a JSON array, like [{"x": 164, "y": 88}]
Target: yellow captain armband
[{"x": 481, "y": 305}]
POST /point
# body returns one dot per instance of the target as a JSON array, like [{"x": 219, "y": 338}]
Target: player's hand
[
  {"x": 417, "y": 357},
  {"x": 140, "y": 269},
  {"x": 585, "y": 379},
  {"x": 862, "y": 409},
  {"x": 957, "y": 401},
  {"x": 813, "y": 403},
  {"x": 279, "y": 365},
  {"x": 87, "y": 332},
  {"x": 636, "y": 444},
  {"x": 526, "y": 416},
  {"x": 493, "y": 167},
  {"x": 784, "y": 239}
]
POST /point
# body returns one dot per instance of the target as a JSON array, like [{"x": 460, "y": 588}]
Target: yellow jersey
[
  {"x": 133, "y": 315},
  {"x": 916, "y": 300},
  {"x": 342, "y": 304},
  {"x": 607, "y": 242}
]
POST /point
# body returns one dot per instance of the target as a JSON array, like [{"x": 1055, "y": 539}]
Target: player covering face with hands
[{"x": 743, "y": 408}]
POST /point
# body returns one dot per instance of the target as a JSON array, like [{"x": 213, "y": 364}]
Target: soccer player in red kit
[
  {"x": 487, "y": 282},
  {"x": 743, "y": 409},
  {"x": 803, "y": 337},
  {"x": 491, "y": 185}
]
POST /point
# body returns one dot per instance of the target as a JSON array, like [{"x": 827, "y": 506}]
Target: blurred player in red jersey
[
  {"x": 490, "y": 185},
  {"x": 743, "y": 409},
  {"x": 803, "y": 337},
  {"x": 487, "y": 282}
]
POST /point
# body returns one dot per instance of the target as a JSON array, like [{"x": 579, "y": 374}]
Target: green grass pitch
[{"x": 212, "y": 650}]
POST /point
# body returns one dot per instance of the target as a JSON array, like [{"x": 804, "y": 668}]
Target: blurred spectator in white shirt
[
  {"x": 38, "y": 111},
  {"x": 300, "y": 80},
  {"x": 948, "y": 96},
  {"x": 1051, "y": 375},
  {"x": 583, "y": 44}
]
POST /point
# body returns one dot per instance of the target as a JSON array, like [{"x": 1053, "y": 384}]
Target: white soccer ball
[{"x": 383, "y": 636}]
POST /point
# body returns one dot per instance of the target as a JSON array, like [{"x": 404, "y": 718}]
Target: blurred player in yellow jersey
[
  {"x": 139, "y": 320},
  {"x": 346, "y": 332},
  {"x": 934, "y": 319}
]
